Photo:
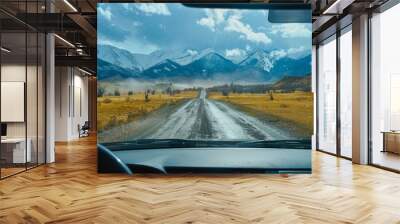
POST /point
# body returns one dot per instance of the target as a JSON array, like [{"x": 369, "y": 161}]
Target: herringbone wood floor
[{"x": 70, "y": 191}]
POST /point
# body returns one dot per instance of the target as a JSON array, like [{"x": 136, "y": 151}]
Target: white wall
[
  {"x": 61, "y": 103},
  {"x": 33, "y": 126},
  {"x": 71, "y": 102},
  {"x": 12, "y": 73},
  {"x": 17, "y": 73}
]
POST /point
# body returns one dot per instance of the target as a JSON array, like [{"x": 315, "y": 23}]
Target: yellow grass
[
  {"x": 114, "y": 110},
  {"x": 294, "y": 107}
]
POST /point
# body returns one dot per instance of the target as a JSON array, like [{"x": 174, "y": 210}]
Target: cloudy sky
[{"x": 144, "y": 28}]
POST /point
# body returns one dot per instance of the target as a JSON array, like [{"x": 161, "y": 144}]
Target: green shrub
[
  {"x": 101, "y": 91},
  {"x": 111, "y": 123},
  {"x": 283, "y": 105},
  {"x": 130, "y": 117}
]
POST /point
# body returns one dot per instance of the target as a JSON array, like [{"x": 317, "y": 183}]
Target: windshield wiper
[
  {"x": 291, "y": 144},
  {"x": 183, "y": 143},
  {"x": 167, "y": 143}
]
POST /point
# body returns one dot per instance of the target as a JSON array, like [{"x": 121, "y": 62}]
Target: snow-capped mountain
[
  {"x": 237, "y": 58},
  {"x": 202, "y": 68},
  {"x": 126, "y": 59},
  {"x": 207, "y": 64},
  {"x": 292, "y": 67},
  {"x": 162, "y": 55},
  {"x": 258, "y": 59},
  {"x": 212, "y": 63},
  {"x": 109, "y": 71},
  {"x": 119, "y": 57},
  {"x": 163, "y": 69},
  {"x": 189, "y": 56}
]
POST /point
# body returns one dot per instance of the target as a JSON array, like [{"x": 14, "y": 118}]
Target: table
[{"x": 391, "y": 141}]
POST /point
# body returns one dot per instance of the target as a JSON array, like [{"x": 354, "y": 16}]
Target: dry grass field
[
  {"x": 114, "y": 110},
  {"x": 296, "y": 107}
]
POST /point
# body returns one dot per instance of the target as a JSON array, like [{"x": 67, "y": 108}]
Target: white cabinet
[{"x": 19, "y": 154}]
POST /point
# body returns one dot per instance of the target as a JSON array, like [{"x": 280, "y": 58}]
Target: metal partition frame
[
  {"x": 29, "y": 29},
  {"x": 389, "y": 4},
  {"x": 339, "y": 32}
]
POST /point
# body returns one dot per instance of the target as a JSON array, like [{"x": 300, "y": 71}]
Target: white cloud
[
  {"x": 295, "y": 53},
  {"x": 298, "y": 52},
  {"x": 236, "y": 52},
  {"x": 192, "y": 52},
  {"x": 208, "y": 22},
  {"x": 289, "y": 30},
  {"x": 217, "y": 14},
  {"x": 136, "y": 23},
  {"x": 230, "y": 19},
  {"x": 153, "y": 8},
  {"x": 235, "y": 25},
  {"x": 106, "y": 13},
  {"x": 278, "y": 54},
  {"x": 248, "y": 48},
  {"x": 126, "y": 5},
  {"x": 214, "y": 18}
]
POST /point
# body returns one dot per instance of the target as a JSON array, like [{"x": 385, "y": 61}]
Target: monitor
[{"x": 3, "y": 129}]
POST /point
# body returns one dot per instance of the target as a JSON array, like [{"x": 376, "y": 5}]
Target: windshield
[{"x": 173, "y": 76}]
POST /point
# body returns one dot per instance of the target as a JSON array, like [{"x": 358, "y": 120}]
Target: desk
[
  {"x": 18, "y": 150},
  {"x": 391, "y": 141}
]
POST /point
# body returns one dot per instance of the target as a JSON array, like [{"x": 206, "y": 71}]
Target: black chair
[{"x": 84, "y": 130}]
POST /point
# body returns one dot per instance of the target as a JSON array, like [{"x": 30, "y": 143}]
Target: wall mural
[{"x": 184, "y": 88}]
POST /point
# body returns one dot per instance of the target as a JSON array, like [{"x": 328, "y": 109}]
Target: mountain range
[
  {"x": 287, "y": 83},
  {"x": 187, "y": 66}
]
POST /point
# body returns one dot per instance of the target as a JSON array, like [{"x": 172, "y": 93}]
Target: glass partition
[
  {"x": 327, "y": 95},
  {"x": 41, "y": 97},
  {"x": 13, "y": 108},
  {"x": 22, "y": 91},
  {"x": 346, "y": 93},
  {"x": 31, "y": 97},
  {"x": 385, "y": 89}
]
